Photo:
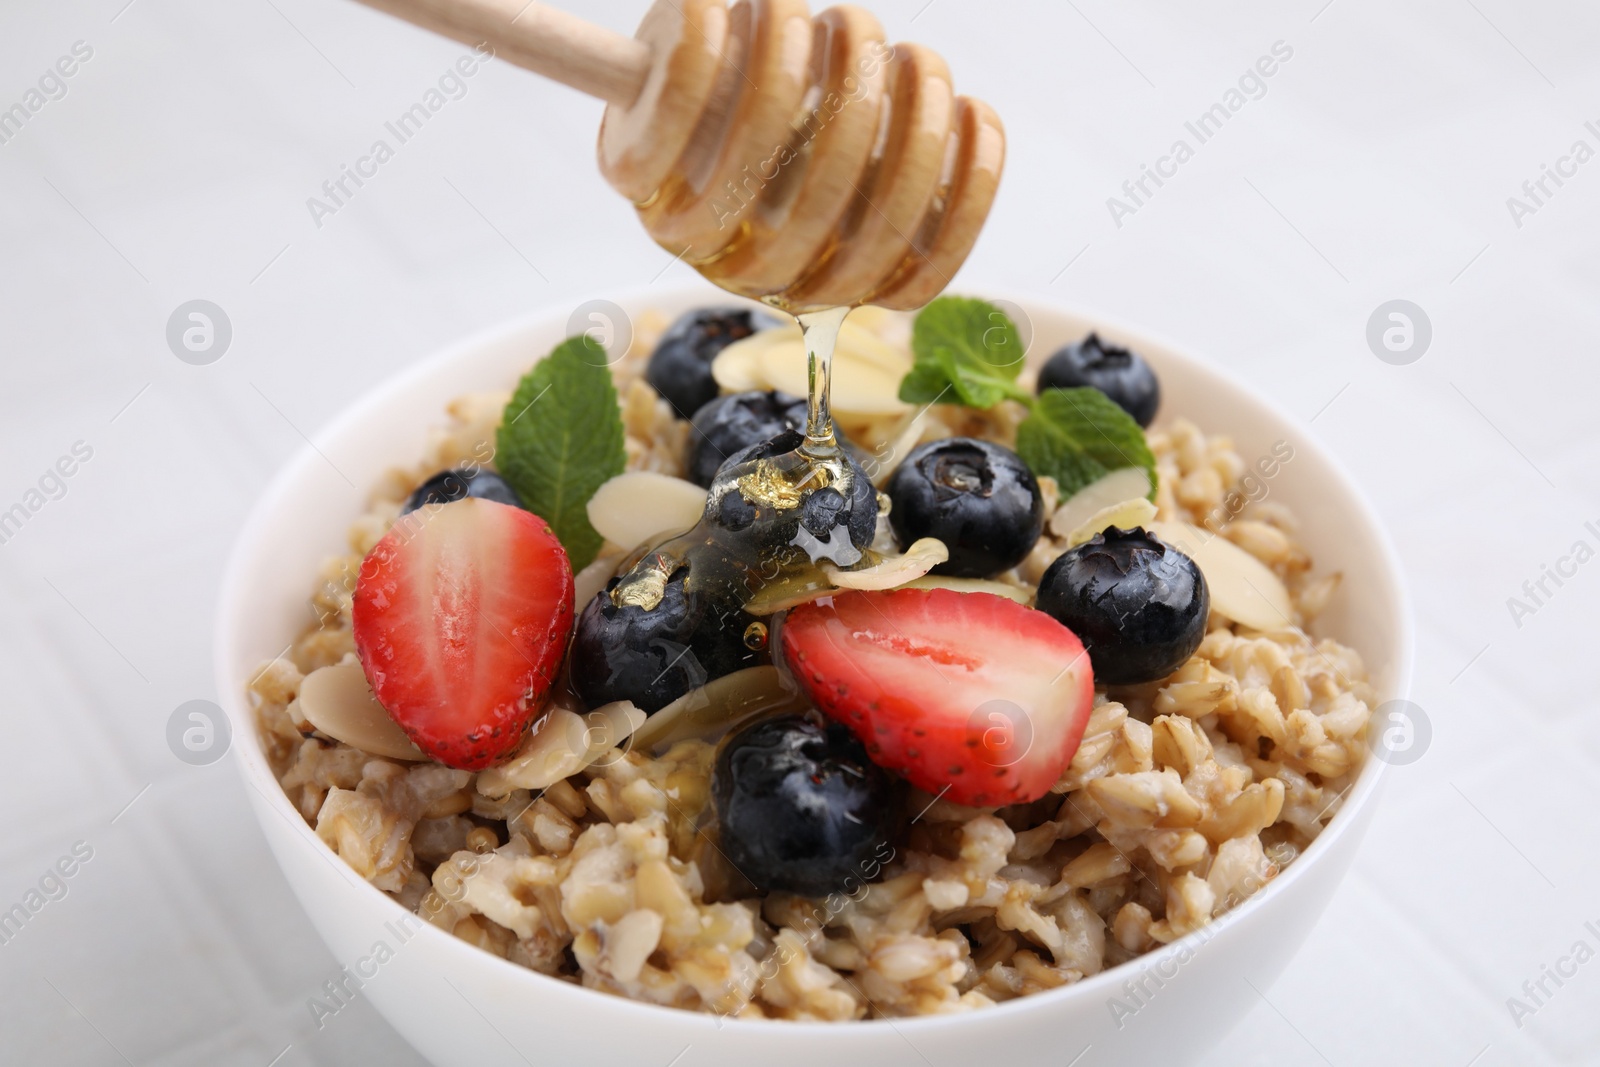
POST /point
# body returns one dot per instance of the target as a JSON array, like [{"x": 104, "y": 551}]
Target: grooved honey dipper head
[{"x": 803, "y": 161}]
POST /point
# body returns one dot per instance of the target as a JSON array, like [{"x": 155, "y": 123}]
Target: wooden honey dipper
[{"x": 796, "y": 160}]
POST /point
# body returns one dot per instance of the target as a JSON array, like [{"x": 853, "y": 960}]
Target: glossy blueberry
[
  {"x": 1121, "y": 374},
  {"x": 680, "y": 366},
  {"x": 801, "y": 809},
  {"x": 1138, "y": 605},
  {"x": 733, "y": 423},
  {"x": 652, "y": 656},
  {"x": 978, "y": 497},
  {"x": 447, "y": 486},
  {"x": 820, "y": 511}
]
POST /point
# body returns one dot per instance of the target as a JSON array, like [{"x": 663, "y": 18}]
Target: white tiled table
[{"x": 1377, "y": 165}]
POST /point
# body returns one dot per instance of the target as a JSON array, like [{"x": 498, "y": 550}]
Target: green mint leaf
[
  {"x": 1078, "y": 436},
  {"x": 967, "y": 351},
  {"x": 926, "y": 383},
  {"x": 561, "y": 439}
]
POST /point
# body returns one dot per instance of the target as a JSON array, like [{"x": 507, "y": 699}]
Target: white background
[{"x": 1377, "y": 166}]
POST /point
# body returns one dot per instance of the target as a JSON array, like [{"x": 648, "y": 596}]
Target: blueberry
[
  {"x": 1121, "y": 374},
  {"x": 777, "y": 445},
  {"x": 801, "y": 809},
  {"x": 652, "y": 656},
  {"x": 732, "y": 423},
  {"x": 821, "y": 510},
  {"x": 680, "y": 366},
  {"x": 1138, "y": 605},
  {"x": 447, "y": 486},
  {"x": 977, "y": 497}
]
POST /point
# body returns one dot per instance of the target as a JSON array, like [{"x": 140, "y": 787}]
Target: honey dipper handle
[{"x": 560, "y": 46}]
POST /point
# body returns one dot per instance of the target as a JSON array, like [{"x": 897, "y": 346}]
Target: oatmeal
[{"x": 1165, "y": 803}]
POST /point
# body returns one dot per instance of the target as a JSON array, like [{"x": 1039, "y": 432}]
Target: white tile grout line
[
  {"x": 96, "y": 229},
  {"x": 1502, "y": 834},
  {"x": 1471, "y": 661},
  {"x": 1502, "y": 434},
  {"x": 129, "y": 404},
  {"x": 1329, "y": 404},
  {"x": 308, "y": 41},
  {"x": 264, "y": 270},
  {"x": 1113, "y": 47},
  {"x": 1291, "y": 1025},
  {"x": 497, "y": 230},
  {"x": 1443, "y": 956},
  {"x": 1296, "y": 229},
  {"x": 1508, "y": 41},
  {"x": 1471, "y": 261},
  {"x": 1070, "y": 262},
  {"x": 675, "y": 260},
  {"x": 86, "y": 1019},
  {"x": 96, "y": 629},
  {"x": 130, "y": 803},
  {"x": 302, "y": 434}
]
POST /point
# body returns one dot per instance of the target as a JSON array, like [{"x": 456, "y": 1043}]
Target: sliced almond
[
  {"x": 894, "y": 327},
  {"x": 559, "y": 745},
  {"x": 869, "y": 345},
  {"x": 632, "y": 508},
  {"x": 866, "y": 368},
  {"x": 1128, "y": 483},
  {"x": 1124, "y": 516},
  {"x": 338, "y": 701},
  {"x": 789, "y": 591},
  {"x": 611, "y": 726},
  {"x": 890, "y": 572},
  {"x": 1242, "y": 587},
  {"x": 720, "y": 705},
  {"x": 894, "y": 571},
  {"x": 738, "y": 367},
  {"x": 866, "y": 373},
  {"x": 552, "y": 750},
  {"x": 901, "y": 441},
  {"x": 972, "y": 585}
]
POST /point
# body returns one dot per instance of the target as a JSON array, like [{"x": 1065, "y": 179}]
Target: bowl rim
[{"x": 253, "y": 766}]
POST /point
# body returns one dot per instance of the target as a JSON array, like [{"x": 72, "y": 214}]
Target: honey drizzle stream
[
  {"x": 776, "y": 485},
  {"x": 821, "y": 332}
]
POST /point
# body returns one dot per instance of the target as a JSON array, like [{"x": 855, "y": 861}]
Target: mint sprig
[
  {"x": 1078, "y": 436},
  {"x": 969, "y": 352},
  {"x": 561, "y": 439},
  {"x": 966, "y": 350}
]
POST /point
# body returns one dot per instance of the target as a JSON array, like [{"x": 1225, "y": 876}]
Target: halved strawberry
[
  {"x": 462, "y": 614},
  {"x": 969, "y": 695}
]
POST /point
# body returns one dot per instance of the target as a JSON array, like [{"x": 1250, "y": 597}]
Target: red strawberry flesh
[
  {"x": 968, "y": 695},
  {"x": 462, "y": 614}
]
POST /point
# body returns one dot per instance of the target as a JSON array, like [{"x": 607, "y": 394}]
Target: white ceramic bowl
[{"x": 462, "y": 1006}]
